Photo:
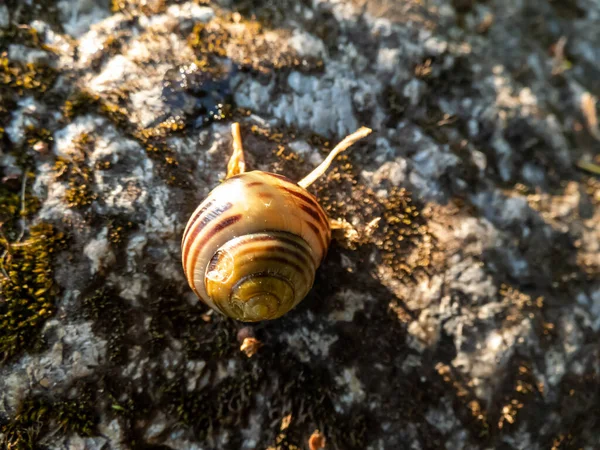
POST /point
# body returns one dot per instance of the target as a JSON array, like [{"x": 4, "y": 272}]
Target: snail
[{"x": 250, "y": 250}]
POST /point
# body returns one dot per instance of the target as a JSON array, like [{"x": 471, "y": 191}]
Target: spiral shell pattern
[{"x": 251, "y": 249}]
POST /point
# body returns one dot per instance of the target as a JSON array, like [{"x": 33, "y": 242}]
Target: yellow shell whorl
[
  {"x": 261, "y": 296},
  {"x": 260, "y": 276}
]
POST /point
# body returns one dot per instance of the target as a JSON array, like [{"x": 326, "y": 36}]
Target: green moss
[
  {"x": 12, "y": 210},
  {"x": 23, "y": 432},
  {"x": 152, "y": 139},
  {"x": 37, "y": 140},
  {"x": 79, "y": 196},
  {"x": 38, "y": 417},
  {"x": 76, "y": 416},
  {"x": 28, "y": 288},
  {"x": 402, "y": 229},
  {"x": 117, "y": 114}
]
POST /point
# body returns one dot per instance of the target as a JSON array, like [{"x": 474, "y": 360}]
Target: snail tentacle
[
  {"x": 345, "y": 144},
  {"x": 237, "y": 162}
]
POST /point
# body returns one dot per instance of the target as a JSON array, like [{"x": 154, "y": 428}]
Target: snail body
[{"x": 251, "y": 249}]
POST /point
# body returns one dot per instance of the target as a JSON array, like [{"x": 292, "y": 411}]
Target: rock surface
[{"x": 466, "y": 317}]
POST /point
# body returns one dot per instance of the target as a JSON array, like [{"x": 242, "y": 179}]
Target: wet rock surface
[{"x": 466, "y": 317}]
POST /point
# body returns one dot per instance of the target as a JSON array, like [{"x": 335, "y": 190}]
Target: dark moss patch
[
  {"x": 304, "y": 394},
  {"x": 25, "y": 13},
  {"x": 76, "y": 416},
  {"x": 268, "y": 14},
  {"x": 24, "y": 431},
  {"x": 519, "y": 400},
  {"x": 78, "y": 103},
  {"x": 395, "y": 105},
  {"x": 118, "y": 228},
  {"x": 10, "y": 208},
  {"x": 446, "y": 79},
  {"x": 579, "y": 394},
  {"x": 468, "y": 407},
  {"x": 530, "y": 148},
  {"x": 28, "y": 288},
  {"x": 24, "y": 35},
  {"x": 199, "y": 94},
  {"x": 209, "y": 410},
  {"x": 289, "y": 386},
  {"x": 37, "y": 143},
  {"x": 203, "y": 336},
  {"x": 111, "y": 318},
  {"x": 521, "y": 397}
]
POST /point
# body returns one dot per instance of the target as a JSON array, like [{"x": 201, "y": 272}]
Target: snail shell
[{"x": 251, "y": 249}]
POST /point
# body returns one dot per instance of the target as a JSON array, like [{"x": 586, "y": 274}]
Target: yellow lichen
[
  {"x": 25, "y": 77},
  {"x": 27, "y": 287},
  {"x": 78, "y": 175}
]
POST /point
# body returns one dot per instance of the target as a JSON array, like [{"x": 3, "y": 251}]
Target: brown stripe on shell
[
  {"x": 324, "y": 243},
  {"x": 213, "y": 261},
  {"x": 281, "y": 177},
  {"x": 255, "y": 183},
  {"x": 197, "y": 227},
  {"x": 308, "y": 199},
  {"x": 304, "y": 259},
  {"x": 194, "y": 218},
  {"x": 314, "y": 214},
  {"x": 228, "y": 221},
  {"x": 277, "y": 235},
  {"x": 305, "y": 273}
]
